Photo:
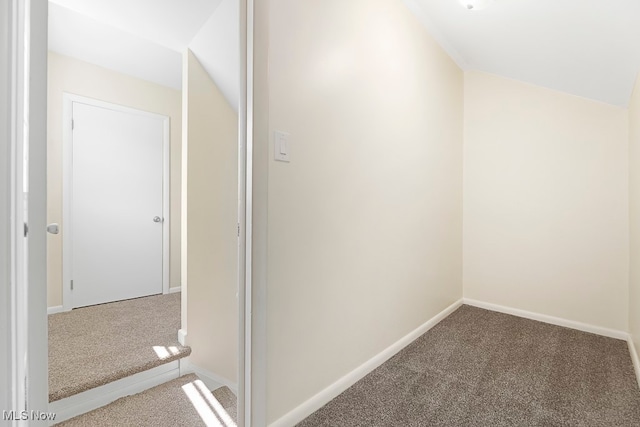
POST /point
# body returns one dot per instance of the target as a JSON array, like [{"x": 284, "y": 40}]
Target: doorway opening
[{"x": 143, "y": 196}]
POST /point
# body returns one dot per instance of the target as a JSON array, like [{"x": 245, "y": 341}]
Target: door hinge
[
  {"x": 26, "y": 229},
  {"x": 238, "y": 229},
  {"x": 72, "y": 285},
  {"x": 73, "y": 124}
]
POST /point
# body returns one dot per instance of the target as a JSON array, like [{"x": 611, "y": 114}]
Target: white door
[{"x": 116, "y": 204}]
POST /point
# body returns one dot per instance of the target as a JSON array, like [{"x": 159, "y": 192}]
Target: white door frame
[
  {"x": 244, "y": 216},
  {"x": 35, "y": 328},
  {"x": 23, "y": 48},
  {"x": 67, "y": 185},
  {"x": 13, "y": 280},
  {"x": 6, "y": 209},
  {"x": 256, "y": 42}
]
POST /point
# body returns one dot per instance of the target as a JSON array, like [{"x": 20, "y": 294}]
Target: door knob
[{"x": 157, "y": 219}]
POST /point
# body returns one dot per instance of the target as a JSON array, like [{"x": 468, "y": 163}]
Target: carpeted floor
[
  {"x": 181, "y": 402},
  {"x": 92, "y": 346},
  {"x": 481, "y": 368},
  {"x": 228, "y": 400}
]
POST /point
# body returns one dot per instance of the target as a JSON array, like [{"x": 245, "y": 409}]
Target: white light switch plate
[{"x": 282, "y": 146}]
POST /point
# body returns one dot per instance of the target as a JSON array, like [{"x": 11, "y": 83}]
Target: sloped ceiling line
[
  {"x": 146, "y": 38},
  {"x": 588, "y": 48}
]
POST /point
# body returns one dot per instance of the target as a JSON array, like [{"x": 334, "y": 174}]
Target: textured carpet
[
  {"x": 92, "y": 346},
  {"x": 481, "y": 368},
  {"x": 228, "y": 400},
  {"x": 181, "y": 402}
]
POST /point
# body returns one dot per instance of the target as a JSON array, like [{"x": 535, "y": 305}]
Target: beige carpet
[
  {"x": 228, "y": 400},
  {"x": 480, "y": 368},
  {"x": 182, "y": 402},
  {"x": 92, "y": 346}
]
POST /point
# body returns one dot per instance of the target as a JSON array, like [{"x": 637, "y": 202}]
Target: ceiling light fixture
[{"x": 476, "y": 4}]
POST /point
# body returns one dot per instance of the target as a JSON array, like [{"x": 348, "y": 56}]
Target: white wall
[
  {"x": 210, "y": 218},
  {"x": 545, "y": 202},
  {"x": 634, "y": 205},
  {"x": 217, "y": 47},
  {"x": 81, "y": 78},
  {"x": 364, "y": 231}
]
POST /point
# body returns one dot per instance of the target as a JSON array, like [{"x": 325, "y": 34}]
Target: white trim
[
  {"x": 257, "y": 213},
  {"x": 19, "y": 27},
  {"x": 67, "y": 156},
  {"x": 634, "y": 357},
  {"x": 210, "y": 379},
  {"x": 323, "y": 397},
  {"x": 166, "y": 201},
  {"x": 174, "y": 290},
  {"x": 55, "y": 309},
  {"x": 184, "y": 180},
  {"x": 23, "y": 195},
  {"x": 598, "y": 330},
  {"x": 6, "y": 208},
  {"x": 243, "y": 389},
  {"x": 182, "y": 336},
  {"x": 103, "y": 395},
  {"x": 67, "y": 198}
]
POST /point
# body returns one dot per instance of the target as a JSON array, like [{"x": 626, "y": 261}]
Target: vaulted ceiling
[
  {"x": 588, "y": 48},
  {"x": 146, "y": 38}
]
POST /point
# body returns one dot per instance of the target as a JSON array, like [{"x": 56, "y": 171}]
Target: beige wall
[
  {"x": 81, "y": 78},
  {"x": 364, "y": 231},
  {"x": 211, "y": 203},
  {"x": 634, "y": 204},
  {"x": 545, "y": 202}
]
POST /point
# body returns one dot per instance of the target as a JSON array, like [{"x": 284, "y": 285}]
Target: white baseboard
[
  {"x": 55, "y": 309},
  {"x": 100, "y": 396},
  {"x": 211, "y": 380},
  {"x": 175, "y": 290},
  {"x": 182, "y": 336},
  {"x": 323, "y": 397},
  {"x": 598, "y": 330},
  {"x": 634, "y": 358}
]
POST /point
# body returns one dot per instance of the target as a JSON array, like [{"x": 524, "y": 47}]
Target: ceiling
[
  {"x": 146, "y": 38},
  {"x": 588, "y": 48}
]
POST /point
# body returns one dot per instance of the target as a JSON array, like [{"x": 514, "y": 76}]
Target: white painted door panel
[{"x": 116, "y": 193}]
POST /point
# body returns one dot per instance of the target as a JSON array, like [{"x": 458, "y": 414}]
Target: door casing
[
  {"x": 35, "y": 330},
  {"x": 67, "y": 180},
  {"x": 23, "y": 171}
]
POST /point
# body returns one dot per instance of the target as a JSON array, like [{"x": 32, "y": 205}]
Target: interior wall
[
  {"x": 634, "y": 205},
  {"x": 546, "y": 202},
  {"x": 365, "y": 222},
  {"x": 211, "y": 202},
  {"x": 69, "y": 75}
]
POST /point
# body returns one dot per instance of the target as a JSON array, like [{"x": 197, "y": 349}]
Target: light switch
[{"x": 282, "y": 146}]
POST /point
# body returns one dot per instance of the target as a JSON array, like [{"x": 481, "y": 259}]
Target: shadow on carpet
[{"x": 184, "y": 401}]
